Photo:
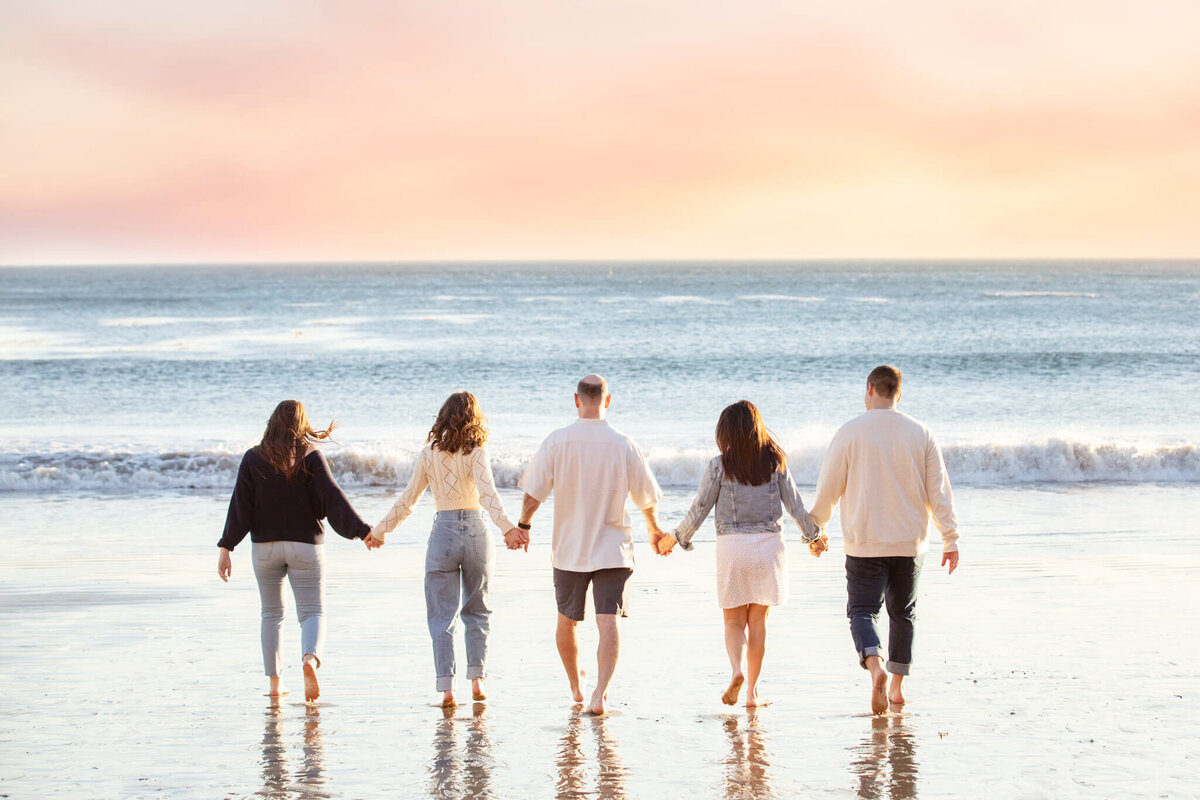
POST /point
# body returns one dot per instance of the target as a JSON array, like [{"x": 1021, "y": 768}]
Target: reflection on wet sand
[
  {"x": 464, "y": 773},
  {"x": 748, "y": 766},
  {"x": 309, "y": 780},
  {"x": 573, "y": 762},
  {"x": 886, "y": 763}
]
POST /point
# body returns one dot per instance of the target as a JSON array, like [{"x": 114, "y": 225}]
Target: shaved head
[{"x": 592, "y": 389}]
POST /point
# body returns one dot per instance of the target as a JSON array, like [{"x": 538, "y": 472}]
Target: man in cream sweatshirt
[{"x": 887, "y": 470}]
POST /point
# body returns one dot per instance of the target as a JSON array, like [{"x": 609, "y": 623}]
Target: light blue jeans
[
  {"x": 304, "y": 567},
  {"x": 458, "y": 567}
]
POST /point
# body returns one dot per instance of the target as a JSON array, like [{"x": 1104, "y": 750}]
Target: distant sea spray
[{"x": 1052, "y": 460}]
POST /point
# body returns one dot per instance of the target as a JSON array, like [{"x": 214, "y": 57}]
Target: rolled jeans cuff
[
  {"x": 896, "y": 668},
  {"x": 475, "y": 672},
  {"x": 867, "y": 652},
  {"x": 445, "y": 683}
]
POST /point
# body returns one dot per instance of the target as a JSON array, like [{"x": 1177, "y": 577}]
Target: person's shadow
[
  {"x": 748, "y": 766},
  {"x": 308, "y": 782},
  {"x": 573, "y": 762},
  {"x": 467, "y": 772},
  {"x": 886, "y": 762}
]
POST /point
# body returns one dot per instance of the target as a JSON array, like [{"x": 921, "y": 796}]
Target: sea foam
[{"x": 1054, "y": 460}]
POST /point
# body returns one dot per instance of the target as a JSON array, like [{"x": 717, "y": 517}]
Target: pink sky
[{"x": 233, "y": 131}]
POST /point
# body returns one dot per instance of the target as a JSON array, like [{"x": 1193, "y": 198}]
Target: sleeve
[
  {"x": 940, "y": 497},
  {"x": 706, "y": 498},
  {"x": 334, "y": 503},
  {"x": 831, "y": 484},
  {"x": 481, "y": 469},
  {"x": 241, "y": 508},
  {"x": 407, "y": 501},
  {"x": 538, "y": 480},
  {"x": 790, "y": 495},
  {"x": 643, "y": 488}
]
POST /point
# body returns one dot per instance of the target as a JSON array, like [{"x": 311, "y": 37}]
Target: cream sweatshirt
[{"x": 887, "y": 471}]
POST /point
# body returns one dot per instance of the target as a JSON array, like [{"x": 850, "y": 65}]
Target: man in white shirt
[
  {"x": 890, "y": 471},
  {"x": 591, "y": 468}
]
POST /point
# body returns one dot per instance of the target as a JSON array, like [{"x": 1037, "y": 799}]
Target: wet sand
[{"x": 1059, "y": 661}]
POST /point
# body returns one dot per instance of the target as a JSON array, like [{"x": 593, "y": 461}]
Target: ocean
[
  {"x": 145, "y": 379},
  {"x": 1055, "y": 662}
]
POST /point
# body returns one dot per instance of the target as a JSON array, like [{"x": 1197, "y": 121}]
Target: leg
[
  {"x": 866, "y": 581},
  {"x": 607, "y": 653},
  {"x": 478, "y": 556},
  {"x": 269, "y": 570},
  {"x": 735, "y": 646},
  {"x": 567, "y": 640},
  {"x": 570, "y": 592},
  {"x": 757, "y": 630},
  {"x": 901, "y": 601},
  {"x": 442, "y": 581},
  {"x": 306, "y": 573},
  {"x": 610, "y": 593}
]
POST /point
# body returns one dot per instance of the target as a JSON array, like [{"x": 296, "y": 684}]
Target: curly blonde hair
[{"x": 460, "y": 425}]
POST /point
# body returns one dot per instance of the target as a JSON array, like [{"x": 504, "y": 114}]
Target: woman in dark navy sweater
[{"x": 284, "y": 489}]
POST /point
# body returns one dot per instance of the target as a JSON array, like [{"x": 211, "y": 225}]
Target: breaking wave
[{"x": 1054, "y": 460}]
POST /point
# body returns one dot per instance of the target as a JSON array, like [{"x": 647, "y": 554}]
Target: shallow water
[{"x": 1059, "y": 661}]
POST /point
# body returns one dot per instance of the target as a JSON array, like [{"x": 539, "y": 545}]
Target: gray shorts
[{"x": 610, "y": 591}]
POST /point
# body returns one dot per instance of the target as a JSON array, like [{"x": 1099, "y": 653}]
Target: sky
[{"x": 144, "y": 131}]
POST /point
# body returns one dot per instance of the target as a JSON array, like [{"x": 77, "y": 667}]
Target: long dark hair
[
  {"x": 460, "y": 425},
  {"x": 748, "y": 452},
  {"x": 288, "y": 436}
]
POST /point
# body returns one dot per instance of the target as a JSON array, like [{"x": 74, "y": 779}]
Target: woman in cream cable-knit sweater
[{"x": 454, "y": 465}]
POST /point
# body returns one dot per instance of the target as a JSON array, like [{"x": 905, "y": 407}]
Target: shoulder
[
  {"x": 716, "y": 466},
  {"x": 315, "y": 458}
]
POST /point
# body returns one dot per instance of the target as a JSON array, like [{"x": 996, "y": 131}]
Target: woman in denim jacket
[{"x": 750, "y": 486}]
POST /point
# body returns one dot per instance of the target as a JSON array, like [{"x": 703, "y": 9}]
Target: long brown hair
[
  {"x": 748, "y": 452},
  {"x": 288, "y": 436},
  {"x": 460, "y": 425}
]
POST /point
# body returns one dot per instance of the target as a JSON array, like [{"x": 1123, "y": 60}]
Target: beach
[
  {"x": 1058, "y": 661},
  {"x": 1054, "y": 663}
]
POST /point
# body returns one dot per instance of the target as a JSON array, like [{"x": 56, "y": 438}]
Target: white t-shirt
[{"x": 591, "y": 468}]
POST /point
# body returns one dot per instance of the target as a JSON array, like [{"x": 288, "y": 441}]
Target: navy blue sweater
[{"x": 272, "y": 508}]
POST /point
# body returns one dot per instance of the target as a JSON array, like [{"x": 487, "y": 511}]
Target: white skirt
[{"x": 751, "y": 568}]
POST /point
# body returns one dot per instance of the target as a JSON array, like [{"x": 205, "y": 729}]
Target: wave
[
  {"x": 987, "y": 463},
  {"x": 783, "y": 298},
  {"x": 1042, "y": 294}
]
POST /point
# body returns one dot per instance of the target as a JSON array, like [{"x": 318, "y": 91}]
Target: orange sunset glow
[{"x": 148, "y": 131}]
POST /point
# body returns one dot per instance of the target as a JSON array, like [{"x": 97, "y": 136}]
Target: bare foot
[
  {"x": 312, "y": 687},
  {"x": 596, "y": 706},
  {"x": 477, "y": 693},
  {"x": 754, "y": 701},
  {"x": 277, "y": 688},
  {"x": 577, "y": 688},
  {"x": 448, "y": 700},
  {"x": 879, "y": 703},
  {"x": 895, "y": 695},
  {"x": 735, "y": 689}
]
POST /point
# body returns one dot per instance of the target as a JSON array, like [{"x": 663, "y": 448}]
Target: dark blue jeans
[{"x": 871, "y": 583}]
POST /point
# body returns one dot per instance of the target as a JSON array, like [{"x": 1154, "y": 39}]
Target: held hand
[
  {"x": 517, "y": 539},
  {"x": 657, "y": 541},
  {"x": 372, "y": 543},
  {"x": 952, "y": 560},
  {"x": 818, "y": 545},
  {"x": 224, "y": 565},
  {"x": 666, "y": 544}
]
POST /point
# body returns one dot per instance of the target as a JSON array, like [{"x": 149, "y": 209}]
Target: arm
[
  {"x": 644, "y": 490},
  {"x": 790, "y": 496},
  {"x": 518, "y": 537},
  {"x": 237, "y": 520},
  {"x": 489, "y": 498},
  {"x": 336, "y": 506},
  {"x": 831, "y": 484},
  {"x": 941, "y": 502},
  {"x": 403, "y": 506},
  {"x": 706, "y": 498}
]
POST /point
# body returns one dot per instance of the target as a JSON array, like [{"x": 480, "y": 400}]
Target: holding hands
[
  {"x": 819, "y": 545},
  {"x": 662, "y": 542},
  {"x": 517, "y": 539},
  {"x": 372, "y": 543}
]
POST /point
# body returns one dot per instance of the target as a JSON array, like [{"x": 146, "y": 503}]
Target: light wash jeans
[
  {"x": 458, "y": 566},
  {"x": 304, "y": 566}
]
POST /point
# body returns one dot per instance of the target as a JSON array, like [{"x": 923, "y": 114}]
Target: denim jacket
[{"x": 742, "y": 508}]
